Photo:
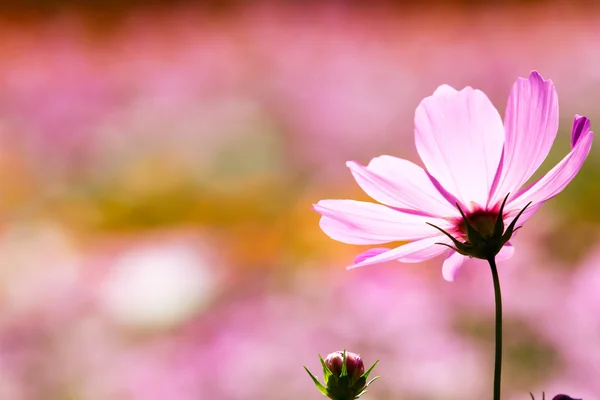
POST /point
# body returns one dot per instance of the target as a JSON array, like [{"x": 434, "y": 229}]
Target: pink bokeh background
[{"x": 157, "y": 170}]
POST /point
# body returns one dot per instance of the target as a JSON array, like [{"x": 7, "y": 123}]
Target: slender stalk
[{"x": 498, "y": 353}]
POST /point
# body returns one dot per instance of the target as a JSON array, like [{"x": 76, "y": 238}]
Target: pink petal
[
  {"x": 531, "y": 210},
  {"x": 531, "y": 123},
  {"x": 369, "y": 253},
  {"x": 402, "y": 184},
  {"x": 506, "y": 252},
  {"x": 459, "y": 136},
  {"x": 451, "y": 265},
  {"x": 581, "y": 125},
  {"x": 358, "y": 222},
  {"x": 559, "y": 177},
  {"x": 417, "y": 251}
]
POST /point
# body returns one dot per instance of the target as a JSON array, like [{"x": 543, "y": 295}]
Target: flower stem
[{"x": 498, "y": 353}]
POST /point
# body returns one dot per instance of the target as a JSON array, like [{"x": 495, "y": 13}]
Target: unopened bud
[
  {"x": 354, "y": 364},
  {"x": 344, "y": 375}
]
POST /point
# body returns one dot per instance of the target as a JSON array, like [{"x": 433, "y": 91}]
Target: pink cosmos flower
[{"x": 472, "y": 161}]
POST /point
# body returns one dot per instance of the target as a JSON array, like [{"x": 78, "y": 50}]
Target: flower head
[{"x": 475, "y": 170}]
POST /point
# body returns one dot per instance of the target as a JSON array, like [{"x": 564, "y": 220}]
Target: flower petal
[
  {"x": 417, "y": 251},
  {"x": 451, "y": 265},
  {"x": 402, "y": 184},
  {"x": 459, "y": 137},
  {"x": 531, "y": 123},
  {"x": 505, "y": 252},
  {"x": 581, "y": 125},
  {"x": 358, "y": 222},
  {"x": 369, "y": 253},
  {"x": 559, "y": 177},
  {"x": 455, "y": 260},
  {"x": 531, "y": 210}
]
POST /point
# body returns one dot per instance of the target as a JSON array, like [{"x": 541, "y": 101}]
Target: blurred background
[{"x": 158, "y": 163}]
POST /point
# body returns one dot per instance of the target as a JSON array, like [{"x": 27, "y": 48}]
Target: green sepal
[
  {"x": 318, "y": 384},
  {"x": 510, "y": 230},
  {"x": 343, "y": 382},
  {"x": 455, "y": 249},
  {"x": 366, "y": 386},
  {"x": 372, "y": 380},
  {"x": 344, "y": 369},
  {"x": 326, "y": 371},
  {"x": 360, "y": 382},
  {"x": 333, "y": 386},
  {"x": 459, "y": 247},
  {"x": 499, "y": 227},
  {"x": 543, "y": 396},
  {"x": 366, "y": 374}
]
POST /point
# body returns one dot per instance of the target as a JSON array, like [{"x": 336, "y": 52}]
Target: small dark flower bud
[
  {"x": 563, "y": 397},
  {"x": 344, "y": 375},
  {"x": 354, "y": 364}
]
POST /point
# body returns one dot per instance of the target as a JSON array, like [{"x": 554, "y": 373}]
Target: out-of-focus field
[{"x": 157, "y": 171}]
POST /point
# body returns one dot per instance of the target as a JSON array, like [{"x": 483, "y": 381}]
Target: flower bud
[
  {"x": 354, "y": 364},
  {"x": 344, "y": 375},
  {"x": 563, "y": 397}
]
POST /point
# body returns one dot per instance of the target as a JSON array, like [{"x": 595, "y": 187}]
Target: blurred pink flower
[{"x": 471, "y": 160}]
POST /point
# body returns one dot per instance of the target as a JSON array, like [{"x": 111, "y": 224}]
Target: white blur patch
[{"x": 157, "y": 286}]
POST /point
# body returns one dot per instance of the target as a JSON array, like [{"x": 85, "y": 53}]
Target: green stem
[{"x": 498, "y": 353}]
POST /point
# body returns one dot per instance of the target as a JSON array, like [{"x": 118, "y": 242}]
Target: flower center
[
  {"x": 482, "y": 233},
  {"x": 482, "y": 221}
]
